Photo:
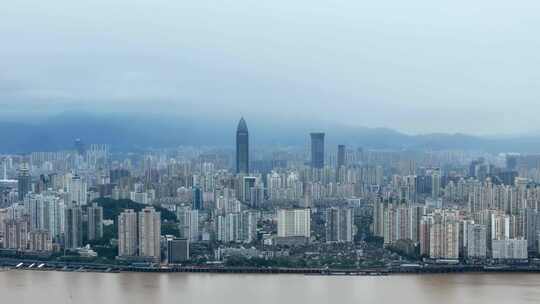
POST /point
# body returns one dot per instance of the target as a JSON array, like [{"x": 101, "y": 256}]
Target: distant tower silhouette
[
  {"x": 242, "y": 148},
  {"x": 197, "y": 203},
  {"x": 340, "y": 163},
  {"x": 79, "y": 146},
  {"x": 341, "y": 156},
  {"x": 317, "y": 150},
  {"x": 24, "y": 181}
]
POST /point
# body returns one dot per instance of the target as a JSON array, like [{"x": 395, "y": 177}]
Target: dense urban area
[{"x": 314, "y": 207}]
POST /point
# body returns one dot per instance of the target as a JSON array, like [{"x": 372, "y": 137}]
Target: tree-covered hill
[{"x": 112, "y": 208}]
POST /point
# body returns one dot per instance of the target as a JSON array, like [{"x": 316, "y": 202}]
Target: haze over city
[
  {"x": 416, "y": 66},
  {"x": 243, "y": 151}
]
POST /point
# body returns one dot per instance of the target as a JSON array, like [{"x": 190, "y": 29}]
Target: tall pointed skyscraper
[{"x": 242, "y": 147}]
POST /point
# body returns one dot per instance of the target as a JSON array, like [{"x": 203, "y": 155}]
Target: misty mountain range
[{"x": 126, "y": 132}]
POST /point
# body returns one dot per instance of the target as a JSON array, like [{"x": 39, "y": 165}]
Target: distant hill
[{"x": 131, "y": 132}]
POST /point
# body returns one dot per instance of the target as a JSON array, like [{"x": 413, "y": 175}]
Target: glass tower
[{"x": 317, "y": 150}]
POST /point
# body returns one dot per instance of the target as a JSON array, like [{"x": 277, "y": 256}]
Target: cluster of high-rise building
[
  {"x": 471, "y": 220},
  {"x": 52, "y": 211},
  {"x": 139, "y": 234},
  {"x": 446, "y": 204},
  {"x": 43, "y": 220}
]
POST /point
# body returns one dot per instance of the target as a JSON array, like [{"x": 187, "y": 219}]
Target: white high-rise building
[
  {"x": 237, "y": 227},
  {"x": 249, "y": 226},
  {"x": 140, "y": 197},
  {"x": 511, "y": 249},
  {"x": 339, "y": 225},
  {"x": 3, "y": 217},
  {"x": 40, "y": 240},
  {"x": 127, "y": 233},
  {"x": 476, "y": 241},
  {"x": 16, "y": 233},
  {"x": 500, "y": 226},
  {"x": 56, "y": 216},
  {"x": 443, "y": 236},
  {"x": 188, "y": 223},
  {"x": 77, "y": 191},
  {"x": 150, "y": 233},
  {"x": 435, "y": 183},
  {"x": 35, "y": 206},
  {"x": 228, "y": 227},
  {"x": 274, "y": 185},
  {"x": 46, "y": 212},
  {"x": 294, "y": 222}
]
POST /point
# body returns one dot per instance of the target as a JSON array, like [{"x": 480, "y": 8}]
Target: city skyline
[
  {"x": 125, "y": 132},
  {"x": 315, "y": 210},
  {"x": 241, "y": 151}
]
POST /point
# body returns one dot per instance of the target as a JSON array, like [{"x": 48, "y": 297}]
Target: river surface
[{"x": 50, "y": 287}]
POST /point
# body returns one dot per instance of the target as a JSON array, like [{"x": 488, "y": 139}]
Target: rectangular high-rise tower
[
  {"x": 341, "y": 156},
  {"x": 149, "y": 233},
  {"x": 127, "y": 233},
  {"x": 339, "y": 225},
  {"x": 24, "y": 181},
  {"x": 73, "y": 227},
  {"x": 95, "y": 222},
  {"x": 317, "y": 150}
]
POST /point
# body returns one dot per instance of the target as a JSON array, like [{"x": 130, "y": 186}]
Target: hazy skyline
[{"x": 416, "y": 66}]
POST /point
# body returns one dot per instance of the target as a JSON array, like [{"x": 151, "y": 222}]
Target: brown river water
[{"x": 49, "y": 287}]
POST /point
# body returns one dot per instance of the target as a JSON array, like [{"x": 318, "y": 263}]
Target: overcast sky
[{"x": 417, "y": 65}]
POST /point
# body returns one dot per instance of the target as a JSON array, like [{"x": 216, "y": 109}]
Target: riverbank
[{"x": 14, "y": 264}]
